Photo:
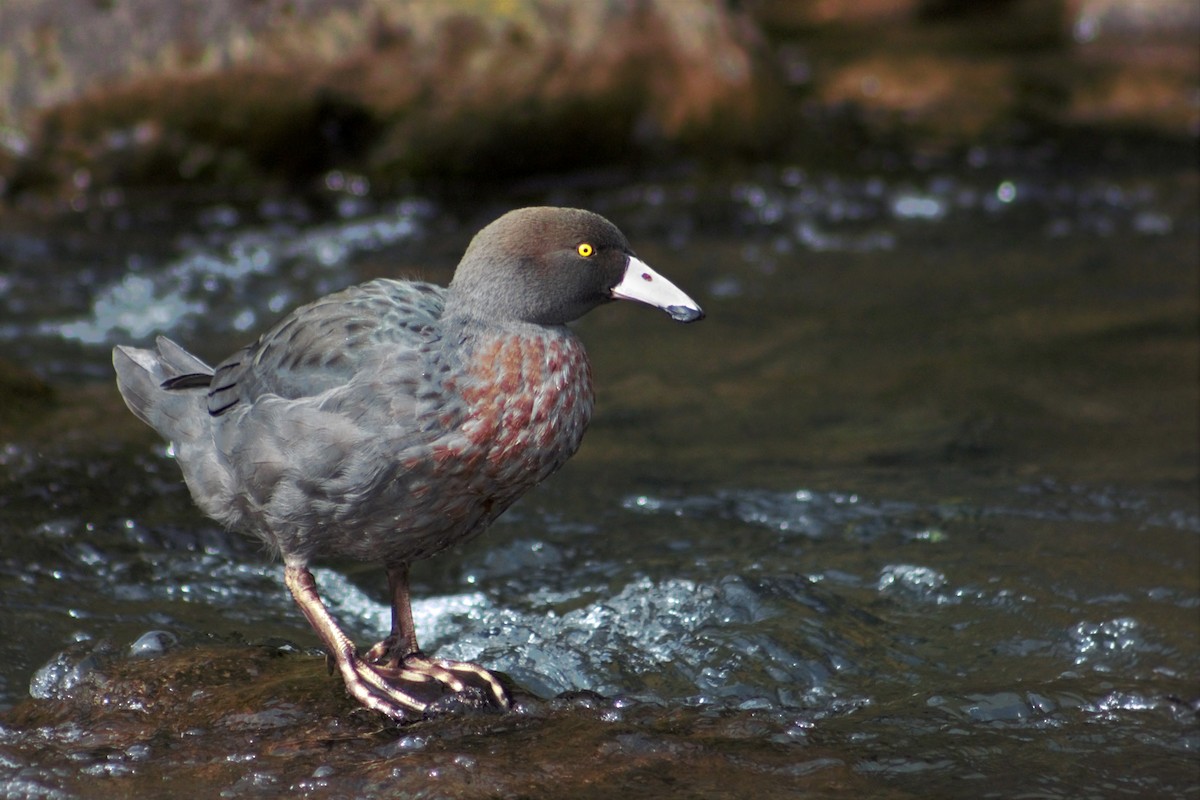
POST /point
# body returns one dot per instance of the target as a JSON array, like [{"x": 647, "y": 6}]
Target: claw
[
  {"x": 380, "y": 692},
  {"x": 383, "y": 654},
  {"x": 393, "y": 677},
  {"x": 459, "y": 676},
  {"x": 417, "y": 684}
]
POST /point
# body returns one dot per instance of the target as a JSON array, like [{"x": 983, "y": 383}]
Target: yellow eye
[{"x": 585, "y": 249}]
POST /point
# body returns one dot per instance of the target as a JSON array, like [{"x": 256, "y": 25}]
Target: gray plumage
[{"x": 393, "y": 419}]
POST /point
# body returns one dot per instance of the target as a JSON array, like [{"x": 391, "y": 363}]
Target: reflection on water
[
  {"x": 990, "y": 575},
  {"x": 238, "y": 270},
  {"x": 139, "y": 306}
]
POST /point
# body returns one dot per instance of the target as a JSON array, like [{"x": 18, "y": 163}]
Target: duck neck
[{"x": 467, "y": 321}]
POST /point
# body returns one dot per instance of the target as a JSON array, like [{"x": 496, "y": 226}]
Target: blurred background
[
  {"x": 914, "y": 512},
  {"x": 101, "y": 98}
]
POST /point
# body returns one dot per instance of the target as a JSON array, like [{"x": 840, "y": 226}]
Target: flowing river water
[{"x": 912, "y": 513}]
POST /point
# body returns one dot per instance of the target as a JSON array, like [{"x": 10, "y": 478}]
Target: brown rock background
[
  {"x": 137, "y": 91},
  {"x": 252, "y": 93}
]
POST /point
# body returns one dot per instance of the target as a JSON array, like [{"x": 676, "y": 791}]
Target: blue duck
[{"x": 394, "y": 419}]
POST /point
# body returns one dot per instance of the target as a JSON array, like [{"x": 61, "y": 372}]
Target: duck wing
[{"x": 326, "y": 344}]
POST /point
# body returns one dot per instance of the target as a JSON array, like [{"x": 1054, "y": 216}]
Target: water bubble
[
  {"x": 728, "y": 286},
  {"x": 152, "y": 643},
  {"x": 59, "y": 677},
  {"x": 244, "y": 320},
  {"x": 1097, "y": 642},
  {"x": 914, "y": 206},
  {"x": 922, "y": 582},
  {"x": 1152, "y": 223}
]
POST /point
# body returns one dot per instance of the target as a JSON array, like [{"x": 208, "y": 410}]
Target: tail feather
[
  {"x": 179, "y": 359},
  {"x": 177, "y": 415}
]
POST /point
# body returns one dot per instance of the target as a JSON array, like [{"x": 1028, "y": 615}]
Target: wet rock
[
  {"x": 949, "y": 72},
  {"x": 238, "y": 90},
  {"x": 61, "y": 676},
  {"x": 253, "y": 94},
  {"x": 213, "y": 719}
]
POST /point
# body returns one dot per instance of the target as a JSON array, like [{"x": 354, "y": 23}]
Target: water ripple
[{"x": 220, "y": 271}]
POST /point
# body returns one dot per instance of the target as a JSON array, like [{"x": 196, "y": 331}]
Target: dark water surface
[{"x": 913, "y": 512}]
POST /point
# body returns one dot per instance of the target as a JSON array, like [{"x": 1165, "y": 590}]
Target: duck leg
[
  {"x": 400, "y": 657},
  {"x": 394, "y": 678},
  {"x": 375, "y": 688}
]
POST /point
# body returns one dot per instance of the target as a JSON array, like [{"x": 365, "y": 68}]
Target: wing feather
[{"x": 326, "y": 344}]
